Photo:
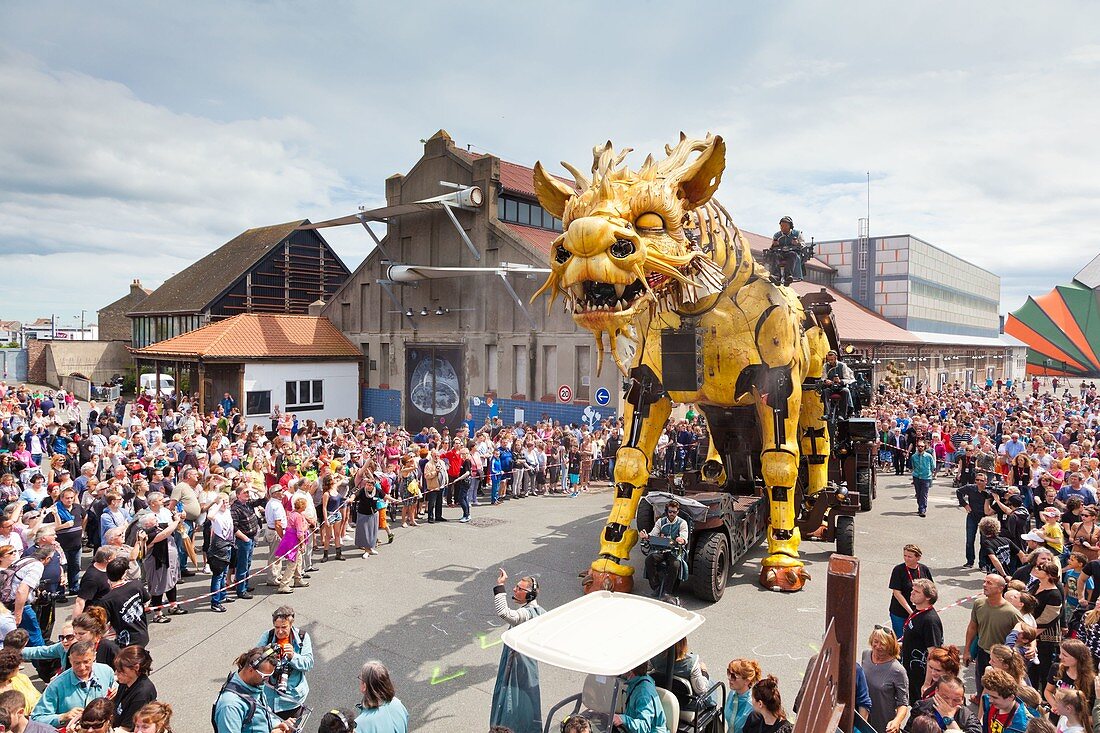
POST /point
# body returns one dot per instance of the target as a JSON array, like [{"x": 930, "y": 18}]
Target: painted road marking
[{"x": 436, "y": 679}]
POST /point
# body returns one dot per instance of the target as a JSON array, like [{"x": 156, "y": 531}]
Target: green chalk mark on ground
[
  {"x": 486, "y": 644},
  {"x": 436, "y": 679}
]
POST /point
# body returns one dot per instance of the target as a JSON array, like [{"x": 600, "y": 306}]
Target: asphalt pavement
[{"x": 423, "y": 607}]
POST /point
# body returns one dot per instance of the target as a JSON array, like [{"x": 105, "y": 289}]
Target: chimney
[
  {"x": 135, "y": 287},
  {"x": 316, "y": 307}
]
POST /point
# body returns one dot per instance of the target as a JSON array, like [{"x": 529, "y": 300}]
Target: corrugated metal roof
[
  {"x": 259, "y": 336},
  {"x": 954, "y": 339},
  {"x": 856, "y": 323}
]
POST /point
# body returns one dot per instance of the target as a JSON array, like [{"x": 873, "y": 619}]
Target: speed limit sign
[{"x": 565, "y": 393}]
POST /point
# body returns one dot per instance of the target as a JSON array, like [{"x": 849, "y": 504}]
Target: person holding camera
[
  {"x": 241, "y": 707},
  {"x": 287, "y": 689}
]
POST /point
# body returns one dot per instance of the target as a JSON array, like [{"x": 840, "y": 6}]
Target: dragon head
[{"x": 628, "y": 248}]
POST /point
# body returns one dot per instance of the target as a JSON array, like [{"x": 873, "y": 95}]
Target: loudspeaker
[
  {"x": 682, "y": 359},
  {"x": 862, "y": 428}
]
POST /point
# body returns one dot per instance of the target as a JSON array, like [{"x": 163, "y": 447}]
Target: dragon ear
[
  {"x": 552, "y": 193},
  {"x": 700, "y": 180}
]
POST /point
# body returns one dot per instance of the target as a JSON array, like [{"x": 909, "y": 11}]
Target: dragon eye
[
  {"x": 649, "y": 221},
  {"x": 622, "y": 248},
  {"x": 561, "y": 254}
]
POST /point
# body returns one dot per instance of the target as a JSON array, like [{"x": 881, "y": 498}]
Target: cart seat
[
  {"x": 671, "y": 706},
  {"x": 681, "y": 688}
]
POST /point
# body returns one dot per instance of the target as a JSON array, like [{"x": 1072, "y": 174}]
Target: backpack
[
  {"x": 232, "y": 686},
  {"x": 9, "y": 583}
]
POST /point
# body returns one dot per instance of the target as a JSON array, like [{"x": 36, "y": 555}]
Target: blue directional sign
[{"x": 602, "y": 396}]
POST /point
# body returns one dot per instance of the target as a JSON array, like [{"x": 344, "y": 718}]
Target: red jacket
[{"x": 454, "y": 463}]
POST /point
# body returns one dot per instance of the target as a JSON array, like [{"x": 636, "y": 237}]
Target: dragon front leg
[
  {"x": 647, "y": 409},
  {"x": 778, "y": 412},
  {"x": 816, "y": 446}
]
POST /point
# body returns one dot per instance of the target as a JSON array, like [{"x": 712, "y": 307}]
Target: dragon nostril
[
  {"x": 622, "y": 248},
  {"x": 561, "y": 254}
]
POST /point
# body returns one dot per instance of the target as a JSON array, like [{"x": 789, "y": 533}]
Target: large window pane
[
  {"x": 258, "y": 403},
  {"x": 318, "y": 391},
  {"x": 291, "y": 394},
  {"x": 524, "y": 213},
  {"x": 511, "y": 210}
]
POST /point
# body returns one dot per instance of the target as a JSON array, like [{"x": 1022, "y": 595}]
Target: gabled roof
[
  {"x": 130, "y": 301},
  {"x": 191, "y": 290},
  {"x": 259, "y": 336},
  {"x": 1089, "y": 275}
]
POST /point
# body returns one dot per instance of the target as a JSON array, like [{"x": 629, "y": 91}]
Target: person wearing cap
[
  {"x": 787, "y": 250},
  {"x": 1051, "y": 531},
  {"x": 275, "y": 524}
]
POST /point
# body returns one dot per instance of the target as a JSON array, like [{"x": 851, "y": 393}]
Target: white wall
[{"x": 341, "y": 387}]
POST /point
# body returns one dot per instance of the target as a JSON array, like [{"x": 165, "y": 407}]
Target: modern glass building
[{"x": 916, "y": 285}]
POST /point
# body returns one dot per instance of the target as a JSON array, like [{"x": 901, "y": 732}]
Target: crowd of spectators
[{"x": 124, "y": 511}]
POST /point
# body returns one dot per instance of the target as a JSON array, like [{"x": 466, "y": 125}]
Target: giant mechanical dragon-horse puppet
[{"x": 648, "y": 250}]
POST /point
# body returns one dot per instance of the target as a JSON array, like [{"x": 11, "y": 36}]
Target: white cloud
[
  {"x": 95, "y": 181},
  {"x": 975, "y": 120}
]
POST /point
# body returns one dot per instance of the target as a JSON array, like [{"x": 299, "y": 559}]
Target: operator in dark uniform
[
  {"x": 838, "y": 376},
  {"x": 787, "y": 250}
]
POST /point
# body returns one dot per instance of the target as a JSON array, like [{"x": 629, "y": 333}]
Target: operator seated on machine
[
  {"x": 675, "y": 529},
  {"x": 787, "y": 253},
  {"x": 838, "y": 376}
]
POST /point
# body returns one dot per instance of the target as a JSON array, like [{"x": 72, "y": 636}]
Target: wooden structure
[
  {"x": 273, "y": 269},
  {"x": 829, "y": 688}
]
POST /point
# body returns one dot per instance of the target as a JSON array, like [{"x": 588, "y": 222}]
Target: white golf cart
[{"x": 604, "y": 635}]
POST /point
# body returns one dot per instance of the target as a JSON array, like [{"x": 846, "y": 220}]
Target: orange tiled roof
[
  {"x": 259, "y": 336},
  {"x": 538, "y": 239}
]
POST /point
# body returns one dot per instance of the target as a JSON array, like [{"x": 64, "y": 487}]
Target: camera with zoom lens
[{"x": 280, "y": 676}]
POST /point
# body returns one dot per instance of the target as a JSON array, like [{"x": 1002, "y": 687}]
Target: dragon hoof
[
  {"x": 594, "y": 580},
  {"x": 784, "y": 580}
]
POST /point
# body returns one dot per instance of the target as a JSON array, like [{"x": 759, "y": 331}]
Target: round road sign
[
  {"x": 602, "y": 396},
  {"x": 565, "y": 393}
]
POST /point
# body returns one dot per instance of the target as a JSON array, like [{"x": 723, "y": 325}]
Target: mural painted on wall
[{"x": 433, "y": 387}]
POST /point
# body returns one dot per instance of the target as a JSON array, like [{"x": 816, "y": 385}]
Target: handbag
[{"x": 413, "y": 487}]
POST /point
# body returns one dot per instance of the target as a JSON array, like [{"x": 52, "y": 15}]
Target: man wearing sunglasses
[{"x": 240, "y": 707}]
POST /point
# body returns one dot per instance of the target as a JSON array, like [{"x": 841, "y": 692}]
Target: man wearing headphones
[
  {"x": 240, "y": 707},
  {"x": 296, "y": 649},
  {"x": 516, "y": 700}
]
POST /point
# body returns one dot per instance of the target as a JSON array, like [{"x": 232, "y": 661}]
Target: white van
[{"x": 148, "y": 384}]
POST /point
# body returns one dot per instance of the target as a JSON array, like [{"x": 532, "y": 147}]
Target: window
[
  {"x": 492, "y": 370},
  {"x": 384, "y": 367},
  {"x": 582, "y": 371},
  {"x": 305, "y": 395},
  {"x": 519, "y": 369},
  {"x": 549, "y": 369},
  {"x": 526, "y": 213},
  {"x": 257, "y": 403}
]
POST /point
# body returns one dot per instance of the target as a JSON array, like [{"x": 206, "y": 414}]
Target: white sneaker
[
  {"x": 464, "y": 520},
  {"x": 206, "y": 570}
]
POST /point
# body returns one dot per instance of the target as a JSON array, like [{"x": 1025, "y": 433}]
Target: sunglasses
[{"x": 65, "y": 637}]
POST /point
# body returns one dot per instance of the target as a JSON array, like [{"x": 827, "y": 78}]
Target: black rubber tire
[
  {"x": 710, "y": 566},
  {"x": 846, "y": 534},
  {"x": 865, "y": 487}
]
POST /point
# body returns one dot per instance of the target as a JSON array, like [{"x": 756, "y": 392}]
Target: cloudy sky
[{"x": 136, "y": 137}]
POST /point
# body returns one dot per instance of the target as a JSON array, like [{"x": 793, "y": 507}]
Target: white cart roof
[{"x": 603, "y": 633}]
